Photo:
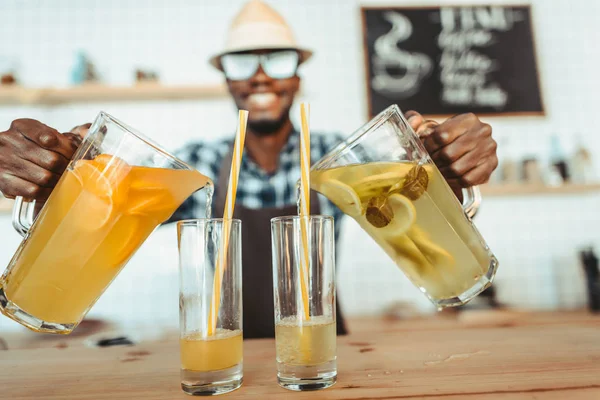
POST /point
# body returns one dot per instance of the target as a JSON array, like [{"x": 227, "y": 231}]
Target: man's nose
[{"x": 260, "y": 77}]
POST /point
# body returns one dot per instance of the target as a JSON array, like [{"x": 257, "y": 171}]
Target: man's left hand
[{"x": 462, "y": 147}]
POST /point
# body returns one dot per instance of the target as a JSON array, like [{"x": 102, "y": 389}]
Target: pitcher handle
[
  {"x": 22, "y": 217},
  {"x": 471, "y": 200}
]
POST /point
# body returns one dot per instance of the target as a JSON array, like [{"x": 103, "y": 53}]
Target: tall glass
[
  {"x": 305, "y": 339},
  {"x": 211, "y": 347},
  {"x": 383, "y": 177},
  {"x": 117, "y": 189}
]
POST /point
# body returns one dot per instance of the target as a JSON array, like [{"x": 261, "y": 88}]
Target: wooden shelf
[
  {"x": 99, "y": 93},
  {"x": 536, "y": 190}
]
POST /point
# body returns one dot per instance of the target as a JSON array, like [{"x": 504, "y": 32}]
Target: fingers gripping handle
[
  {"x": 471, "y": 200},
  {"x": 23, "y": 215}
]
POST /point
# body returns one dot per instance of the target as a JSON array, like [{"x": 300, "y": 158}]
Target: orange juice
[
  {"x": 220, "y": 351},
  {"x": 99, "y": 214}
]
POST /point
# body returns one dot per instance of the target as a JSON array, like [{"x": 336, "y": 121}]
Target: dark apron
[{"x": 257, "y": 270}]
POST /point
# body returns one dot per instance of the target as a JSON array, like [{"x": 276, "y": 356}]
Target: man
[{"x": 260, "y": 64}]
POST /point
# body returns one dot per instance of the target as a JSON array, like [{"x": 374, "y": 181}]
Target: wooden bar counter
[{"x": 470, "y": 355}]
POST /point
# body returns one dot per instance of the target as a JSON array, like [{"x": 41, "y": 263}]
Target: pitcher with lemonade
[{"x": 383, "y": 177}]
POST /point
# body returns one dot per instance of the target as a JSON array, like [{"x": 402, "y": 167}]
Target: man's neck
[{"x": 265, "y": 150}]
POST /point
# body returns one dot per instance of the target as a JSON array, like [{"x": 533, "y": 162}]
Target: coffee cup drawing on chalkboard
[{"x": 395, "y": 70}]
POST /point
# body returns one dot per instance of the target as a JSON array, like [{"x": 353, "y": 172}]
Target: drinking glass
[
  {"x": 211, "y": 348},
  {"x": 304, "y": 297}
]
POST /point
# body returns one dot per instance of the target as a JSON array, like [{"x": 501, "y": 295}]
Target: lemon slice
[
  {"x": 344, "y": 197},
  {"x": 408, "y": 250},
  {"x": 400, "y": 213},
  {"x": 437, "y": 255},
  {"x": 378, "y": 180}
]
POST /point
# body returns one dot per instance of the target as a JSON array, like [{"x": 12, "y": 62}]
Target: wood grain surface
[{"x": 470, "y": 356}]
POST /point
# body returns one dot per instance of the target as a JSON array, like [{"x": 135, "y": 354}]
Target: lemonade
[
  {"x": 305, "y": 343},
  {"x": 100, "y": 212},
  {"x": 220, "y": 351},
  {"x": 409, "y": 211}
]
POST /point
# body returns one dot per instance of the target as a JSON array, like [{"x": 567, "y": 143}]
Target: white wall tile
[{"x": 535, "y": 238}]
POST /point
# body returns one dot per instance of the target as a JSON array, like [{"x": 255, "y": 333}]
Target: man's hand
[
  {"x": 462, "y": 147},
  {"x": 33, "y": 157}
]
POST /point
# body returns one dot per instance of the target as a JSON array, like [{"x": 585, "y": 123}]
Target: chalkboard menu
[{"x": 452, "y": 60}]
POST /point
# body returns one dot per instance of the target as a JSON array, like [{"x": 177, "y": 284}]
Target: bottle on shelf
[
  {"x": 509, "y": 168},
  {"x": 559, "y": 171},
  {"x": 581, "y": 165}
]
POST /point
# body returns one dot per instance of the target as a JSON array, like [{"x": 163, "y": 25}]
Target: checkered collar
[{"x": 286, "y": 157}]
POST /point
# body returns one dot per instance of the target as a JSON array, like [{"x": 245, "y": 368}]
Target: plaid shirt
[{"x": 256, "y": 188}]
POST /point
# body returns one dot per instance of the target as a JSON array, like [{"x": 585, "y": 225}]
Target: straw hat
[{"x": 259, "y": 27}]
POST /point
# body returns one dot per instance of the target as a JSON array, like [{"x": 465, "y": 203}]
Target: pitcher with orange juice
[{"x": 117, "y": 189}]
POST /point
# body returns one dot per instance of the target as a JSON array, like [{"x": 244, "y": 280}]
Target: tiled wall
[{"x": 535, "y": 238}]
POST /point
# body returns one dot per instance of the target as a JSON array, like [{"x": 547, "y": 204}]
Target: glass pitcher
[
  {"x": 383, "y": 177},
  {"x": 117, "y": 189}
]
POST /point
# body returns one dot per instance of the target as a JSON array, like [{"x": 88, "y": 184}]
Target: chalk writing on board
[
  {"x": 411, "y": 68},
  {"x": 464, "y": 71},
  {"x": 452, "y": 59}
]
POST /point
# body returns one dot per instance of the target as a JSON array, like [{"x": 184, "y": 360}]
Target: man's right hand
[{"x": 33, "y": 157}]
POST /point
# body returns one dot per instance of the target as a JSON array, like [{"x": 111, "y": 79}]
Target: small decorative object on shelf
[
  {"x": 84, "y": 70},
  {"x": 145, "y": 76},
  {"x": 582, "y": 166},
  {"x": 8, "y": 79},
  {"x": 531, "y": 171},
  {"x": 558, "y": 160},
  {"x": 532, "y": 175},
  {"x": 8, "y": 74},
  {"x": 509, "y": 169}
]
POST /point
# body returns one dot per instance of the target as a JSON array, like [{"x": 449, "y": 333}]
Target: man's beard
[{"x": 268, "y": 127}]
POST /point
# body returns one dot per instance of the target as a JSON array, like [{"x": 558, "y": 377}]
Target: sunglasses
[{"x": 277, "y": 64}]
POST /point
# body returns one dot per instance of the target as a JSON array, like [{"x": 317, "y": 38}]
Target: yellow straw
[
  {"x": 236, "y": 160},
  {"x": 305, "y": 203}
]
